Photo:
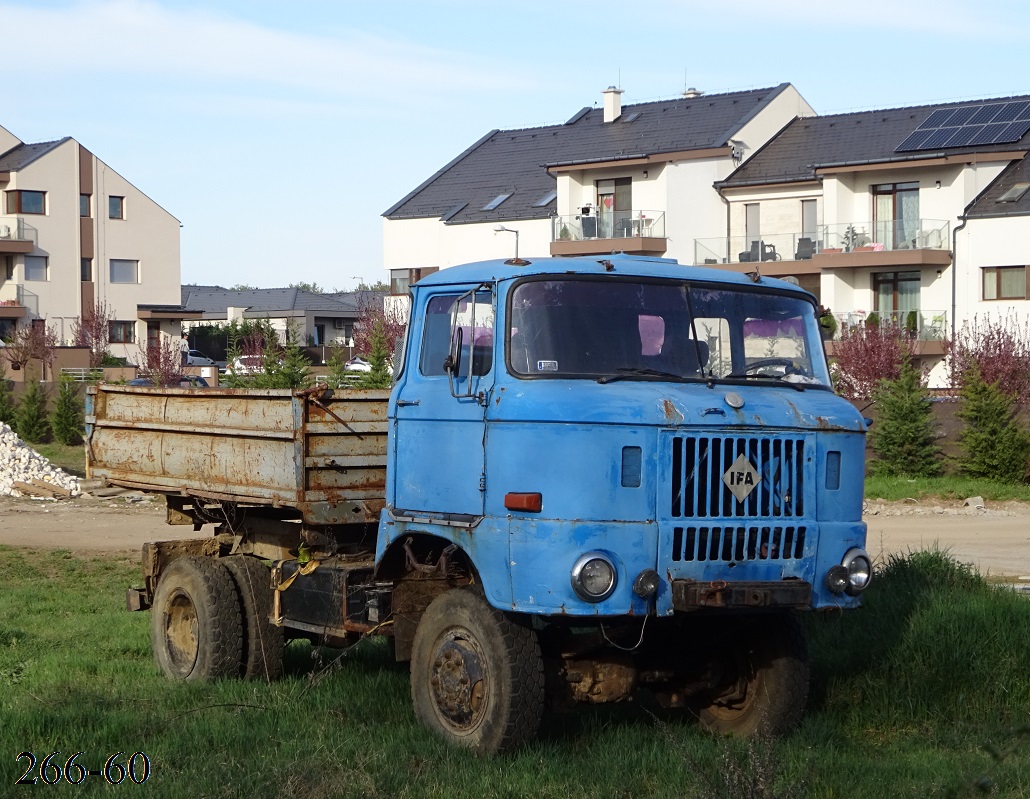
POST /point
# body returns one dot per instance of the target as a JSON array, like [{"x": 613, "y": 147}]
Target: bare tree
[
  {"x": 93, "y": 330},
  {"x": 373, "y": 314}
]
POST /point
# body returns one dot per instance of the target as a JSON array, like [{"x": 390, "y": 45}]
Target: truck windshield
[{"x": 618, "y": 329}]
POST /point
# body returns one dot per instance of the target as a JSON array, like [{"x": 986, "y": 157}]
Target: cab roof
[{"x": 617, "y": 265}]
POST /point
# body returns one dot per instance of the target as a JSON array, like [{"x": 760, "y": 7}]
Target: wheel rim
[
  {"x": 181, "y": 632},
  {"x": 457, "y": 681},
  {"x": 739, "y": 696}
]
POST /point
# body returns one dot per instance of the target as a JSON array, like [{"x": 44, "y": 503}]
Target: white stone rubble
[{"x": 21, "y": 463}]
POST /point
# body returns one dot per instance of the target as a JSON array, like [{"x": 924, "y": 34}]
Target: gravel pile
[{"x": 21, "y": 463}]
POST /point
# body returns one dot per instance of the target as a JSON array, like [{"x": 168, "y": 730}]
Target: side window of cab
[{"x": 466, "y": 319}]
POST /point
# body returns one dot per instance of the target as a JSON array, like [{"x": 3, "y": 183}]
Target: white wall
[{"x": 417, "y": 243}]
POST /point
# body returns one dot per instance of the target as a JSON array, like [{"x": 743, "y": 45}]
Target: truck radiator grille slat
[
  {"x": 737, "y": 544},
  {"x": 699, "y": 463}
]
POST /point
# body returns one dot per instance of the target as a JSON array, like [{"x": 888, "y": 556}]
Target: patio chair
[
  {"x": 806, "y": 249},
  {"x": 750, "y": 256}
]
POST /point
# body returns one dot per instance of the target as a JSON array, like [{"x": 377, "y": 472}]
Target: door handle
[{"x": 406, "y": 403}]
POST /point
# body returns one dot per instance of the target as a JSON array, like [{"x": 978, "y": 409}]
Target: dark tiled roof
[
  {"x": 987, "y": 205},
  {"x": 24, "y": 154},
  {"x": 868, "y": 136},
  {"x": 213, "y": 299},
  {"x": 513, "y": 161}
]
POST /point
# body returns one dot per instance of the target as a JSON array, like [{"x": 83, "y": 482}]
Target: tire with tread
[
  {"x": 767, "y": 660},
  {"x": 263, "y": 642},
  {"x": 476, "y": 674},
  {"x": 195, "y": 621}
]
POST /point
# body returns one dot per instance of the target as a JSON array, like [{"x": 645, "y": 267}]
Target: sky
[{"x": 277, "y": 132}]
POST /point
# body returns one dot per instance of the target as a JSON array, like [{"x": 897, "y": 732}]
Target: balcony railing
[
  {"x": 923, "y": 325},
  {"x": 14, "y": 294},
  {"x": 891, "y": 234},
  {"x": 615, "y": 225},
  {"x": 17, "y": 229}
]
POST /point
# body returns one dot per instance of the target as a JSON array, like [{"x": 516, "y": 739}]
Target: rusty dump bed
[{"x": 320, "y": 453}]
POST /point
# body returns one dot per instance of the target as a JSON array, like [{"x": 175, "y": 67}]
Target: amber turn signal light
[{"x": 531, "y": 503}]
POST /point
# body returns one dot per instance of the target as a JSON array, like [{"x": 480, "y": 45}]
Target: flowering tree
[
  {"x": 161, "y": 361},
  {"x": 35, "y": 342},
  {"x": 866, "y": 354},
  {"x": 998, "y": 349},
  {"x": 373, "y": 322},
  {"x": 93, "y": 330}
]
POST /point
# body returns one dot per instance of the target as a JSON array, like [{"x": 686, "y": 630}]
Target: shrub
[
  {"x": 993, "y": 444},
  {"x": 904, "y": 436},
  {"x": 864, "y": 355},
  {"x": 8, "y": 406},
  {"x": 66, "y": 418},
  {"x": 378, "y": 357},
  {"x": 999, "y": 349},
  {"x": 31, "y": 417}
]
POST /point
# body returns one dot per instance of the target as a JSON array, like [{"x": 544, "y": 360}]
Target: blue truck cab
[{"x": 639, "y": 466}]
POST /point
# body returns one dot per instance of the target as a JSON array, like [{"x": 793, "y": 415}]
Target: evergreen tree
[
  {"x": 904, "y": 435},
  {"x": 66, "y": 417},
  {"x": 8, "y": 406},
  {"x": 381, "y": 375},
  {"x": 287, "y": 367},
  {"x": 994, "y": 445},
  {"x": 338, "y": 376},
  {"x": 31, "y": 416}
]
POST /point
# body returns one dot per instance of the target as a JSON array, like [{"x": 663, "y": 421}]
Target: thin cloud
[{"x": 142, "y": 37}]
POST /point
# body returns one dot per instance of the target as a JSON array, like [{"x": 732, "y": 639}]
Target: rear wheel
[
  {"x": 195, "y": 621},
  {"x": 763, "y": 676},
  {"x": 263, "y": 642},
  {"x": 476, "y": 674}
]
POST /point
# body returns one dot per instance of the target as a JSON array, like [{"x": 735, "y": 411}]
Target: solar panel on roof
[
  {"x": 964, "y": 136},
  {"x": 971, "y": 125}
]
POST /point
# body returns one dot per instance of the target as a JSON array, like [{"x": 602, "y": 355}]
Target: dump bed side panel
[{"x": 322, "y": 454}]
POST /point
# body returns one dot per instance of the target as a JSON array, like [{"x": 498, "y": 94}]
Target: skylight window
[
  {"x": 1014, "y": 194},
  {"x": 496, "y": 201},
  {"x": 547, "y": 199},
  {"x": 632, "y": 117}
]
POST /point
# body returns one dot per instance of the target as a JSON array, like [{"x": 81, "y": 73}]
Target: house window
[
  {"x": 123, "y": 271},
  {"x": 896, "y": 215},
  {"x": 808, "y": 219},
  {"x": 1004, "y": 283},
  {"x": 399, "y": 281},
  {"x": 36, "y": 267},
  {"x": 26, "y": 202},
  {"x": 86, "y": 269},
  {"x": 116, "y": 207},
  {"x": 85, "y": 205},
  {"x": 122, "y": 332},
  {"x": 615, "y": 207},
  {"x": 897, "y": 293}
]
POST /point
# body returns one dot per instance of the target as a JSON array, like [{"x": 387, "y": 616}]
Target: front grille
[
  {"x": 737, "y": 544},
  {"x": 699, "y": 463}
]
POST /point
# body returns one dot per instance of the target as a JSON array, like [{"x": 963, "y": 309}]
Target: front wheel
[
  {"x": 763, "y": 677},
  {"x": 476, "y": 674}
]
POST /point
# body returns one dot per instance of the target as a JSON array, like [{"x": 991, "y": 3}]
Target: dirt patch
[{"x": 995, "y": 539}]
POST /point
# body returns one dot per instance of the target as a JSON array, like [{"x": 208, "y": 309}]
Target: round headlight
[
  {"x": 594, "y": 577},
  {"x": 860, "y": 570},
  {"x": 837, "y": 579}
]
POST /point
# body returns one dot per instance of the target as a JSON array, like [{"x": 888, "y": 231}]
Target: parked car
[
  {"x": 357, "y": 364},
  {"x": 197, "y": 358},
  {"x": 247, "y": 365},
  {"x": 185, "y": 381}
]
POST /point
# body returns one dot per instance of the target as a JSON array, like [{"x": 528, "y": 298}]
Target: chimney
[{"x": 612, "y": 104}]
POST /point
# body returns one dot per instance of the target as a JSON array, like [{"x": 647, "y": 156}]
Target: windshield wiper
[
  {"x": 626, "y": 371},
  {"x": 777, "y": 378}
]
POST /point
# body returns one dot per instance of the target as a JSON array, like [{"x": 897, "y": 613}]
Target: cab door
[{"x": 440, "y": 405}]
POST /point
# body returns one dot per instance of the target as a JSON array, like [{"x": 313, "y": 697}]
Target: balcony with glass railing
[
  {"x": 17, "y": 235},
  {"x": 635, "y": 231},
  {"x": 919, "y": 324},
  {"x": 890, "y": 235}
]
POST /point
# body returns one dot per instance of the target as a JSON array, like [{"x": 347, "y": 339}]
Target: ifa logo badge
[{"x": 741, "y": 478}]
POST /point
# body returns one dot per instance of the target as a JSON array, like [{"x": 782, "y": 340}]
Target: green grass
[
  {"x": 896, "y": 488},
  {"x": 70, "y": 458},
  {"x": 907, "y": 693}
]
